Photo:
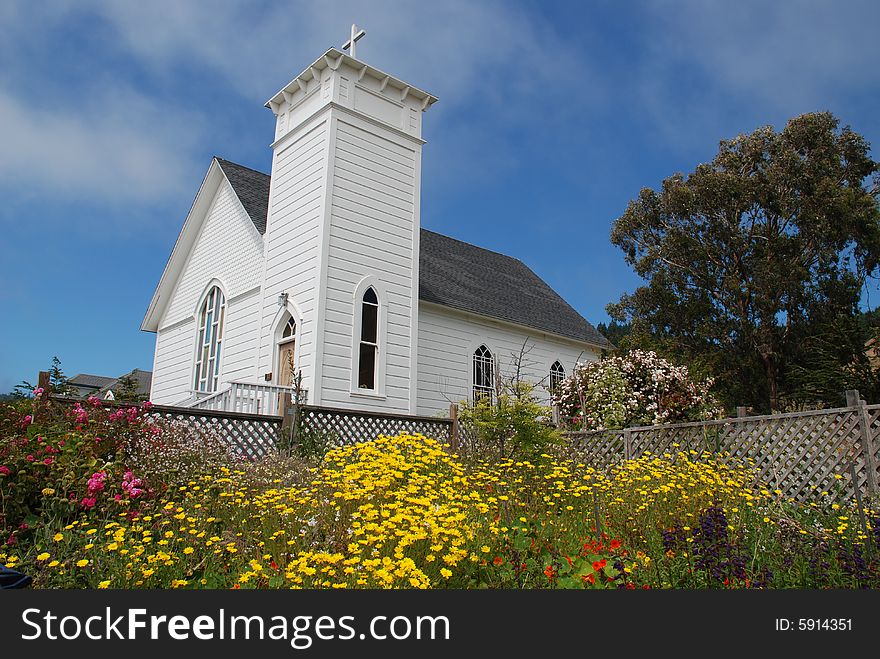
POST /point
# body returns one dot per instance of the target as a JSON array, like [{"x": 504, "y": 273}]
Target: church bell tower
[{"x": 342, "y": 237}]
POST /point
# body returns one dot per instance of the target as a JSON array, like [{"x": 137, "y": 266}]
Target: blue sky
[{"x": 552, "y": 116}]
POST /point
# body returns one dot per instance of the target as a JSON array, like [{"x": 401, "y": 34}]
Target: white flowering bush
[{"x": 636, "y": 389}]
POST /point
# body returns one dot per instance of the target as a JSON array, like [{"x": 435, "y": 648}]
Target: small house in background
[
  {"x": 134, "y": 385},
  {"x": 89, "y": 385}
]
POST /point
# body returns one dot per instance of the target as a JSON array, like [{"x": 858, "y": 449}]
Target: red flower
[
  {"x": 497, "y": 560},
  {"x": 590, "y": 578},
  {"x": 615, "y": 545},
  {"x": 569, "y": 561},
  {"x": 548, "y": 571},
  {"x": 273, "y": 565},
  {"x": 598, "y": 565}
]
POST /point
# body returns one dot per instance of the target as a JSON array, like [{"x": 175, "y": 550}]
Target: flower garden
[{"x": 95, "y": 498}]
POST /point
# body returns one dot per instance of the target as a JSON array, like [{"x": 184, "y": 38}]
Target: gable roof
[
  {"x": 86, "y": 380},
  {"x": 456, "y": 274},
  {"x": 252, "y": 188},
  {"x": 143, "y": 380}
]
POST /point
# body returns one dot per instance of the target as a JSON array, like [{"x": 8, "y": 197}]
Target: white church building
[{"x": 322, "y": 269}]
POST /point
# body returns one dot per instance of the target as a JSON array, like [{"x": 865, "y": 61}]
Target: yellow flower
[
  {"x": 43, "y": 557},
  {"x": 104, "y": 584},
  {"x": 485, "y": 549},
  {"x": 82, "y": 562},
  {"x": 445, "y": 572},
  {"x": 58, "y": 537},
  {"x": 53, "y": 564},
  {"x": 188, "y": 550},
  {"x": 47, "y": 491}
]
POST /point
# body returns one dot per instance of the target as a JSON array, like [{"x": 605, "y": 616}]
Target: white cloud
[
  {"x": 116, "y": 148},
  {"x": 708, "y": 66},
  {"x": 128, "y": 146}
]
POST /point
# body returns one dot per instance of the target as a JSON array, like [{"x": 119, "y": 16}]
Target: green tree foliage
[
  {"x": 126, "y": 390},
  {"x": 615, "y": 332},
  {"x": 749, "y": 258}
]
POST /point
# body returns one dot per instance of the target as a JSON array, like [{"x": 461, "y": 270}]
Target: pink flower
[
  {"x": 89, "y": 502},
  {"x": 81, "y": 415},
  {"x": 10, "y": 540},
  {"x": 146, "y": 405},
  {"x": 48, "y": 461},
  {"x": 28, "y": 420},
  {"x": 4, "y": 470},
  {"x": 39, "y": 391},
  {"x": 30, "y": 458},
  {"x": 94, "y": 401}
]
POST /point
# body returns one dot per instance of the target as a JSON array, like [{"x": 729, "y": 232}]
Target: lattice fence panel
[
  {"x": 247, "y": 436},
  {"x": 802, "y": 455},
  {"x": 342, "y": 427},
  {"x": 601, "y": 449}
]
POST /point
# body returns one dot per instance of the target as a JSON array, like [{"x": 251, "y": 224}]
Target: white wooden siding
[
  {"x": 370, "y": 234},
  {"x": 447, "y": 340},
  {"x": 293, "y": 241},
  {"x": 173, "y": 363},
  {"x": 240, "y": 337},
  {"x": 230, "y": 250}
]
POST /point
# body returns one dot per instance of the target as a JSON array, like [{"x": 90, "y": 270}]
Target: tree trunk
[{"x": 770, "y": 368}]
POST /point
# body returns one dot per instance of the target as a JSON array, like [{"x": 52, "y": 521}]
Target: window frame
[
  {"x": 203, "y": 381},
  {"x": 364, "y": 342},
  {"x": 556, "y": 373},
  {"x": 378, "y": 390},
  {"x": 482, "y": 357}
]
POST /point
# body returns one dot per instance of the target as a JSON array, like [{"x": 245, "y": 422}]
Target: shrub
[
  {"x": 638, "y": 388},
  {"x": 513, "y": 424}
]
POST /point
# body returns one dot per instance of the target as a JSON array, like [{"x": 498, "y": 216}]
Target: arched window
[
  {"x": 289, "y": 329},
  {"x": 210, "y": 339},
  {"x": 368, "y": 352},
  {"x": 557, "y": 375},
  {"x": 484, "y": 374}
]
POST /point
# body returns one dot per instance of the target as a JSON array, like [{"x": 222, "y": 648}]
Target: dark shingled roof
[
  {"x": 86, "y": 380},
  {"x": 252, "y": 188},
  {"x": 466, "y": 277},
  {"x": 456, "y": 274}
]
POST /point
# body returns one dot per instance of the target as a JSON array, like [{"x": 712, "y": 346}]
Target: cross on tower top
[{"x": 356, "y": 34}]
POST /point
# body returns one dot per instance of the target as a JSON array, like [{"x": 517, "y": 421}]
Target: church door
[{"x": 286, "y": 365}]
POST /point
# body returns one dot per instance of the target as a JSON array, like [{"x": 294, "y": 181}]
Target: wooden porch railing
[{"x": 248, "y": 398}]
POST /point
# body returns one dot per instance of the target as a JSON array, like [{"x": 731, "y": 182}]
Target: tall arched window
[
  {"x": 484, "y": 373},
  {"x": 368, "y": 352},
  {"x": 557, "y": 375},
  {"x": 210, "y": 339}
]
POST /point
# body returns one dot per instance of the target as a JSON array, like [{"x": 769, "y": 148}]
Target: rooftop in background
[{"x": 84, "y": 380}]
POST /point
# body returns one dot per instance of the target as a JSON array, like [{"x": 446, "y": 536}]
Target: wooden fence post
[
  {"x": 453, "y": 429},
  {"x": 867, "y": 450},
  {"x": 627, "y": 444},
  {"x": 554, "y": 415},
  {"x": 852, "y": 398},
  {"x": 741, "y": 411},
  {"x": 44, "y": 382}
]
